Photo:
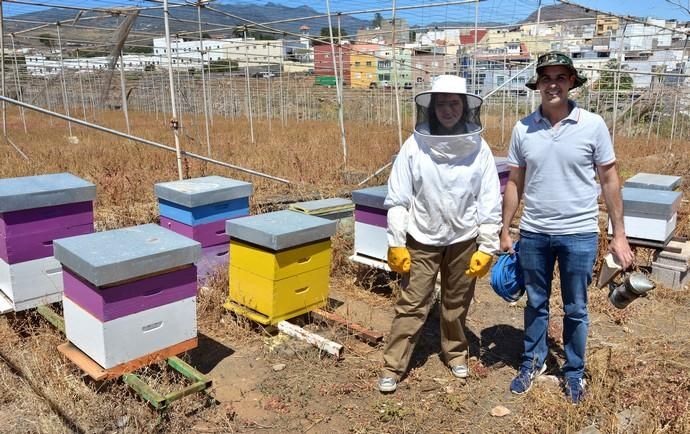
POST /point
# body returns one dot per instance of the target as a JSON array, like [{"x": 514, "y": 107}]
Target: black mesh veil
[{"x": 427, "y": 123}]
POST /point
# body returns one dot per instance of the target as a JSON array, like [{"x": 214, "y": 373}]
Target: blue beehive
[{"x": 203, "y": 200}]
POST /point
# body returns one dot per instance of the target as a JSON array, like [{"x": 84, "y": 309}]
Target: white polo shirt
[{"x": 560, "y": 193}]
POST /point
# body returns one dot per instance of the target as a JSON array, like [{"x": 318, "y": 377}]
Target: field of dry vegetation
[{"x": 638, "y": 370}]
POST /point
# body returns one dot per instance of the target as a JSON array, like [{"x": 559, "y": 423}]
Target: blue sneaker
[
  {"x": 522, "y": 383},
  {"x": 575, "y": 389}
]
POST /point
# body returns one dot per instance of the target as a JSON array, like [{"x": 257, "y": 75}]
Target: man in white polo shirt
[{"x": 555, "y": 154}]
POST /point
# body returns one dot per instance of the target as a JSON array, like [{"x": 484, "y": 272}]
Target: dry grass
[{"x": 637, "y": 360}]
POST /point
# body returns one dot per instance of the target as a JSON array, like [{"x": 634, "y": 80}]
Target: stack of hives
[
  {"x": 197, "y": 208},
  {"x": 503, "y": 171},
  {"x": 371, "y": 239},
  {"x": 129, "y": 293},
  {"x": 650, "y": 207},
  {"x": 280, "y": 265},
  {"x": 35, "y": 211}
]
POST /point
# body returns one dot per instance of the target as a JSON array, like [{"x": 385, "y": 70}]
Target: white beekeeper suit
[{"x": 444, "y": 215}]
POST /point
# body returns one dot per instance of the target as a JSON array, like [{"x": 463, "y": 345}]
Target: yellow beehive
[{"x": 269, "y": 287}]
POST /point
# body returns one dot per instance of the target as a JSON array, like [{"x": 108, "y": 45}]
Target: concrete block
[
  {"x": 372, "y": 196},
  {"x": 280, "y": 230},
  {"x": 653, "y": 181},
  {"x": 671, "y": 259},
  {"x": 44, "y": 190},
  {"x": 202, "y": 191},
  {"x": 106, "y": 258},
  {"x": 670, "y": 278}
]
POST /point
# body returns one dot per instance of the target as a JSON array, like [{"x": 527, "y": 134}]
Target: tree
[
  {"x": 45, "y": 39},
  {"x": 607, "y": 80},
  {"x": 378, "y": 19},
  {"x": 325, "y": 33}
]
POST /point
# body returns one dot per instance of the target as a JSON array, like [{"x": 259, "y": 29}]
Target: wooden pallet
[{"x": 98, "y": 373}]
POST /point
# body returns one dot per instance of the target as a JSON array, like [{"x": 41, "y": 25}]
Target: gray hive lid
[
  {"x": 653, "y": 181},
  {"x": 372, "y": 196},
  {"x": 39, "y": 191},
  {"x": 323, "y": 206},
  {"x": 202, "y": 191},
  {"x": 104, "y": 258},
  {"x": 280, "y": 230},
  {"x": 653, "y": 203}
]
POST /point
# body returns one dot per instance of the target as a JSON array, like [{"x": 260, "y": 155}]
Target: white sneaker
[
  {"x": 460, "y": 371},
  {"x": 387, "y": 384}
]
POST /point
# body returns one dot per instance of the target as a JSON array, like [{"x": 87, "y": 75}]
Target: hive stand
[{"x": 160, "y": 402}]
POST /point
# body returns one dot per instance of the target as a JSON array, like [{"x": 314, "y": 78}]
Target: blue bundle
[{"x": 506, "y": 276}]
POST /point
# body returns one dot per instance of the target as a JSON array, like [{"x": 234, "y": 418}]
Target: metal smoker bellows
[{"x": 634, "y": 285}]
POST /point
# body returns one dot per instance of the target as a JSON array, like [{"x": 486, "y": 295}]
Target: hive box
[
  {"x": 31, "y": 283},
  {"x": 653, "y": 181},
  {"x": 649, "y": 214},
  {"x": 371, "y": 222},
  {"x": 128, "y": 292},
  {"x": 503, "y": 170},
  {"x": 334, "y": 208},
  {"x": 203, "y": 200},
  {"x": 34, "y": 211},
  {"x": 280, "y": 264}
]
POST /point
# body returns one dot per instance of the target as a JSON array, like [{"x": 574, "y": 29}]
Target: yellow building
[
  {"x": 606, "y": 24},
  {"x": 362, "y": 65}
]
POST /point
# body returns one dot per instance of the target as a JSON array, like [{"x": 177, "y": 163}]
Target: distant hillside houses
[{"x": 487, "y": 57}]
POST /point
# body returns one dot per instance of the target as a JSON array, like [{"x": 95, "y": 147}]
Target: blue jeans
[{"x": 575, "y": 254}]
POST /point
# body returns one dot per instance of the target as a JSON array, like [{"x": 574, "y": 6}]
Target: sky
[{"x": 506, "y": 11}]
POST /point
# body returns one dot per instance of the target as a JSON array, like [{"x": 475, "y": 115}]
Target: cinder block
[
  {"x": 671, "y": 259},
  {"x": 669, "y": 278}
]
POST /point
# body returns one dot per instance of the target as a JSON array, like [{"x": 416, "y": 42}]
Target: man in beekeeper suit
[{"x": 444, "y": 215}]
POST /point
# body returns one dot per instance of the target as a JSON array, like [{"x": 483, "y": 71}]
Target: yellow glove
[
  {"x": 479, "y": 264},
  {"x": 399, "y": 259}
]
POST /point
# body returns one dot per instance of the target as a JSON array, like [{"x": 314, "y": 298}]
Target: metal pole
[
  {"x": 16, "y": 79},
  {"x": 173, "y": 122},
  {"x": 474, "y": 58},
  {"x": 2, "y": 70},
  {"x": 62, "y": 76},
  {"x": 248, "y": 96},
  {"x": 534, "y": 45},
  {"x": 123, "y": 91},
  {"x": 339, "y": 95},
  {"x": 395, "y": 80},
  {"x": 203, "y": 79},
  {"x": 140, "y": 140}
]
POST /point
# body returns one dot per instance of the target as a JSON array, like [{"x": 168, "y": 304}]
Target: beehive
[
  {"x": 197, "y": 208},
  {"x": 503, "y": 170},
  {"x": 128, "y": 292},
  {"x": 35, "y": 211},
  {"x": 649, "y": 214},
  {"x": 371, "y": 222},
  {"x": 280, "y": 264}
]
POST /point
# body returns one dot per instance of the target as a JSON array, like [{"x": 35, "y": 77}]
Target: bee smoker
[{"x": 634, "y": 285}]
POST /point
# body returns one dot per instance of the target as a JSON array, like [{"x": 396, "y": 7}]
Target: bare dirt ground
[{"x": 638, "y": 370}]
